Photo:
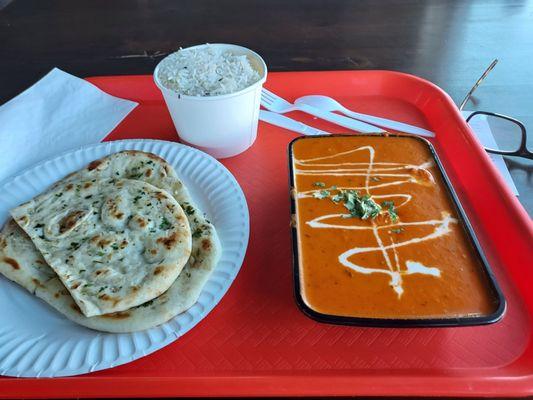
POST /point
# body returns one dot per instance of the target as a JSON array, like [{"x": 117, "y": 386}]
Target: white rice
[{"x": 206, "y": 72}]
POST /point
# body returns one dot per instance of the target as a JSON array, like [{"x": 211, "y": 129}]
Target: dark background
[{"x": 449, "y": 42}]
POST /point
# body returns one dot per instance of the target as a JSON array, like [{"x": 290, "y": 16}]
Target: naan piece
[
  {"x": 114, "y": 243},
  {"x": 22, "y": 263}
]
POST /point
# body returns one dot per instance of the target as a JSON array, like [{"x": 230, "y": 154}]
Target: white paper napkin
[
  {"x": 58, "y": 113},
  {"x": 483, "y": 131}
]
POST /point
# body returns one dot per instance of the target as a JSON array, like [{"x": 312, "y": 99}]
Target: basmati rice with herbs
[{"x": 206, "y": 72}]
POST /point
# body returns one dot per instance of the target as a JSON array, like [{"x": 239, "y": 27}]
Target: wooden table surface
[{"x": 449, "y": 42}]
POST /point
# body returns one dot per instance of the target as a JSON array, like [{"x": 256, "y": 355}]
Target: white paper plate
[{"x": 35, "y": 340}]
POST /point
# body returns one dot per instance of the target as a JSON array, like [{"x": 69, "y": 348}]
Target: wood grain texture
[{"x": 449, "y": 42}]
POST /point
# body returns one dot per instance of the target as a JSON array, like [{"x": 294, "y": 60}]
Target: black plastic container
[{"x": 399, "y": 322}]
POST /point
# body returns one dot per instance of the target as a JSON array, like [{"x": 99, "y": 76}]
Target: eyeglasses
[{"x": 510, "y": 134}]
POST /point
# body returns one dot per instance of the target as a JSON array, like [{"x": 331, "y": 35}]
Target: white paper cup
[{"x": 222, "y": 126}]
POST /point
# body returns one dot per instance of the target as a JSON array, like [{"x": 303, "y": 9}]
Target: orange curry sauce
[{"x": 421, "y": 266}]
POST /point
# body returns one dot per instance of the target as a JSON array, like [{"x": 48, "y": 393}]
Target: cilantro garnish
[
  {"x": 165, "y": 224},
  {"x": 322, "y": 194},
  {"x": 359, "y": 206},
  {"x": 319, "y": 184},
  {"x": 197, "y": 233},
  {"x": 391, "y": 210}
]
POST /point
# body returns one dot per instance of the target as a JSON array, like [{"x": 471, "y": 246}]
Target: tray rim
[
  {"x": 462, "y": 384},
  {"x": 492, "y": 283}
]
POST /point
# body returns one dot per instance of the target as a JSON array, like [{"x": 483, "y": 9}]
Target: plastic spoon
[{"x": 328, "y": 104}]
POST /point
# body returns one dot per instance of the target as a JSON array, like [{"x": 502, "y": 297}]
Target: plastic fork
[{"x": 279, "y": 105}]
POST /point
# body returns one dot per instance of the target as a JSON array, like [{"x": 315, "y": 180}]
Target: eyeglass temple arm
[
  {"x": 523, "y": 154},
  {"x": 478, "y": 82}
]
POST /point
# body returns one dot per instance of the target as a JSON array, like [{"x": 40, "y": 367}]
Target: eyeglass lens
[{"x": 507, "y": 134}]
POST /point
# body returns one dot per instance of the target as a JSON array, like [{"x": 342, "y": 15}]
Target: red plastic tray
[{"x": 257, "y": 343}]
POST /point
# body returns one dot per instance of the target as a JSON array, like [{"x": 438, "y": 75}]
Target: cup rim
[{"x": 253, "y": 86}]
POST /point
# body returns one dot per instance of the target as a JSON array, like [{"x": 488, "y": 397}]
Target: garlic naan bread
[
  {"x": 21, "y": 262},
  {"x": 114, "y": 243}
]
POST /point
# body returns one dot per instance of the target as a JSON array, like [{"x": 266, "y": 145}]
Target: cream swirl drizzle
[{"x": 405, "y": 173}]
